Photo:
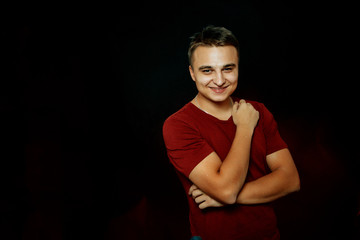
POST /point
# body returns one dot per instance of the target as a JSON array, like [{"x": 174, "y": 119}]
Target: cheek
[
  {"x": 203, "y": 79},
  {"x": 233, "y": 78}
]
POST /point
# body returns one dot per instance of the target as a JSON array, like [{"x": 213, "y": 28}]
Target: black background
[{"x": 85, "y": 90}]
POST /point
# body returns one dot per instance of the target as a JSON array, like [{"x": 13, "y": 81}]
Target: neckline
[{"x": 209, "y": 116}]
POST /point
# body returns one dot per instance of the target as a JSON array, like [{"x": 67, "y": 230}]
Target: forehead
[{"x": 215, "y": 55}]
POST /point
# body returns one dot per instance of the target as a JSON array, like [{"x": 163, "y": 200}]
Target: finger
[
  {"x": 196, "y": 193},
  {"x": 242, "y": 101},
  {"x": 200, "y": 199},
  {"x": 203, "y": 205},
  {"x": 235, "y": 106},
  {"x": 192, "y": 188}
]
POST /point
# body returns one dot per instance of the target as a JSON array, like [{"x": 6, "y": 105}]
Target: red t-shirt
[{"x": 190, "y": 135}]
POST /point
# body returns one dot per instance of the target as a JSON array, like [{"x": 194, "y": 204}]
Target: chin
[{"x": 218, "y": 97}]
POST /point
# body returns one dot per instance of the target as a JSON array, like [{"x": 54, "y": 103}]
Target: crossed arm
[
  {"x": 219, "y": 182},
  {"x": 222, "y": 180},
  {"x": 282, "y": 180}
]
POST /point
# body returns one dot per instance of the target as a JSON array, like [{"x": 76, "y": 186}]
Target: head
[
  {"x": 212, "y": 36},
  {"x": 214, "y": 59}
]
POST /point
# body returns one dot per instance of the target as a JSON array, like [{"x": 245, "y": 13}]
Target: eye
[
  {"x": 228, "y": 69},
  {"x": 206, "y": 71}
]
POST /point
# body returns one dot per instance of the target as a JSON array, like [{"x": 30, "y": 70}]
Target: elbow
[
  {"x": 228, "y": 196},
  {"x": 229, "y": 199},
  {"x": 295, "y": 184}
]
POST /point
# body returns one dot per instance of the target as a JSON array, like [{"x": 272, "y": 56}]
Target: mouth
[{"x": 219, "y": 89}]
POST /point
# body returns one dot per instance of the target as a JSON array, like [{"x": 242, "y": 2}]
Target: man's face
[{"x": 215, "y": 71}]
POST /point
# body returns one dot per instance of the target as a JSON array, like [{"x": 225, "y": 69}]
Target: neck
[{"x": 221, "y": 110}]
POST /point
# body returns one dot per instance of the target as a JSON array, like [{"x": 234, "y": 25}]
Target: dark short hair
[{"x": 212, "y": 36}]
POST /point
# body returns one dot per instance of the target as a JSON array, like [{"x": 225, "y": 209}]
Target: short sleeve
[
  {"x": 185, "y": 146},
  {"x": 274, "y": 142}
]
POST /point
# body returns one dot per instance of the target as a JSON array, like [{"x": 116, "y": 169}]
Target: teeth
[{"x": 219, "y": 87}]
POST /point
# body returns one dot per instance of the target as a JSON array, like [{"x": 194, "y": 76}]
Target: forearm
[
  {"x": 234, "y": 168},
  {"x": 268, "y": 188}
]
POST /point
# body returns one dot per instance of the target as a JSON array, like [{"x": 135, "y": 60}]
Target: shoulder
[
  {"x": 257, "y": 105},
  {"x": 181, "y": 116},
  {"x": 179, "y": 121},
  {"x": 265, "y": 114}
]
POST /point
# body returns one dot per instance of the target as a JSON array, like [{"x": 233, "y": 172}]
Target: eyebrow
[
  {"x": 204, "y": 67},
  {"x": 229, "y": 65},
  {"x": 225, "y": 66}
]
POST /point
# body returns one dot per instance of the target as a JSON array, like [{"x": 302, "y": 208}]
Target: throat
[{"x": 219, "y": 110}]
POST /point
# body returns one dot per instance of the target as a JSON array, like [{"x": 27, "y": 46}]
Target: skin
[
  {"x": 282, "y": 180},
  {"x": 216, "y": 183},
  {"x": 215, "y": 73}
]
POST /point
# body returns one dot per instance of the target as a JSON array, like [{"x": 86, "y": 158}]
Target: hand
[
  {"x": 202, "y": 199},
  {"x": 244, "y": 114}
]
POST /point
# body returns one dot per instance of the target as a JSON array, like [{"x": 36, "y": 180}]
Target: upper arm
[
  {"x": 278, "y": 156},
  {"x": 192, "y": 156},
  {"x": 205, "y": 173},
  {"x": 185, "y": 146},
  {"x": 282, "y": 160},
  {"x": 206, "y": 176}
]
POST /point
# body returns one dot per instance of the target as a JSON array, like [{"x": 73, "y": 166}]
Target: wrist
[{"x": 244, "y": 130}]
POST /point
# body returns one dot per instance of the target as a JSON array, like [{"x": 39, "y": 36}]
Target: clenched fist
[{"x": 244, "y": 115}]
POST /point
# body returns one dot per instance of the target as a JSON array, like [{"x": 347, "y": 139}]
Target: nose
[{"x": 219, "y": 79}]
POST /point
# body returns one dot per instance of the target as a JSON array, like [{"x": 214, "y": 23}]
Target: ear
[{"x": 192, "y": 73}]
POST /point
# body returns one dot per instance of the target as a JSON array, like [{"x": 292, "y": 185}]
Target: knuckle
[
  {"x": 196, "y": 192},
  {"x": 193, "y": 193}
]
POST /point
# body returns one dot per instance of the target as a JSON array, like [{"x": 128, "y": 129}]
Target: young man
[{"x": 227, "y": 152}]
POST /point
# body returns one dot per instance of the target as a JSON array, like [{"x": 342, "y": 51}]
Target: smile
[{"x": 218, "y": 89}]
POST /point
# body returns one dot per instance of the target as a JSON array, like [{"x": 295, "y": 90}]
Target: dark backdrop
[{"x": 85, "y": 91}]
